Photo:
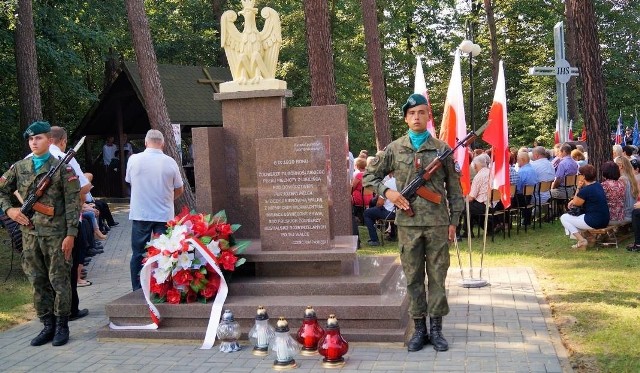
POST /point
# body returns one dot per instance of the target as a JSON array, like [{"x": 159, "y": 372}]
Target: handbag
[{"x": 575, "y": 211}]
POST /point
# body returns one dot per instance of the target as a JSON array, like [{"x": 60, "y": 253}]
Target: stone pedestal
[{"x": 247, "y": 116}]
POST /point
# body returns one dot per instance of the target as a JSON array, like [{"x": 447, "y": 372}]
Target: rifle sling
[{"x": 429, "y": 195}]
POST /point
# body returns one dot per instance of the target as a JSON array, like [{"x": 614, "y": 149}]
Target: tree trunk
[
  {"x": 217, "y": 7},
  {"x": 152, "y": 90},
  {"x": 27, "y": 66},
  {"x": 572, "y": 57},
  {"x": 318, "y": 33},
  {"x": 495, "y": 53},
  {"x": 376, "y": 77},
  {"x": 594, "y": 99}
]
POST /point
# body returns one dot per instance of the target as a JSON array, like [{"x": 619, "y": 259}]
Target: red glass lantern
[
  {"x": 309, "y": 333},
  {"x": 332, "y": 346}
]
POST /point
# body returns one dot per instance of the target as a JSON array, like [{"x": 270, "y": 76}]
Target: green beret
[
  {"x": 413, "y": 101},
  {"x": 37, "y": 128}
]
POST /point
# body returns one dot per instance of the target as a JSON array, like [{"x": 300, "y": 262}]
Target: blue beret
[
  {"x": 36, "y": 128},
  {"x": 413, "y": 101}
]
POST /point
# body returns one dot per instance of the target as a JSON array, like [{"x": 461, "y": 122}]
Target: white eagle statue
[{"x": 252, "y": 54}]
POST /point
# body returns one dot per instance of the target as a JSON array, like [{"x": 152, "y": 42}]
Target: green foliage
[{"x": 73, "y": 41}]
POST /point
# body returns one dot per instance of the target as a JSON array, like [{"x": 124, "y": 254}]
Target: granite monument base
[{"x": 368, "y": 297}]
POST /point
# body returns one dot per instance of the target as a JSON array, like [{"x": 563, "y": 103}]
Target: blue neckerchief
[
  {"x": 39, "y": 160},
  {"x": 418, "y": 138}
]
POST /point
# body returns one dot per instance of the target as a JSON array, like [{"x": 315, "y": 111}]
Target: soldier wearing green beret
[
  {"x": 47, "y": 238},
  {"x": 424, "y": 238}
]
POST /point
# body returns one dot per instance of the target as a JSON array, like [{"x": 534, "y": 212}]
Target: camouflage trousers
[
  {"x": 49, "y": 274},
  {"x": 425, "y": 250}
]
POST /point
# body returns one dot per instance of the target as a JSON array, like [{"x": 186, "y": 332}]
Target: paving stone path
[{"x": 504, "y": 327}]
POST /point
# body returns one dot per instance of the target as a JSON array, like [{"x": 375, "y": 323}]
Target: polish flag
[
  {"x": 497, "y": 134},
  {"x": 454, "y": 126},
  {"x": 571, "y": 130},
  {"x": 420, "y": 86},
  {"x": 583, "y": 137},
  {"x": 556, "y": 135}
]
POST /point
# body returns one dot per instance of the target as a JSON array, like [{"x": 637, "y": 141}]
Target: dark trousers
[
  {"x": 141, "y": 232},
  {"x": 80, "y": 247},
  {"x": 635, "y": 223},
  {"x": 520, "y": 200},
  {"x": 105, "y": 212},
  {"x": 374, "y": 213}
]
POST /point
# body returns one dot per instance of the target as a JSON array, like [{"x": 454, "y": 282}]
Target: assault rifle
[
  {"x": 31, "y": 203},
  {"x": 417, "y": 185}
]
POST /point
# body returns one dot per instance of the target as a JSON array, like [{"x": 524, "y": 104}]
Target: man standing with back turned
[
  {"x": 424, "y": 238},
  {"x": 48, "y": 245},
  {"x": 155, "y": 182}
]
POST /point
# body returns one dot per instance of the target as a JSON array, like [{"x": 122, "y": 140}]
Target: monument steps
[{"x": 379, "y": 316}]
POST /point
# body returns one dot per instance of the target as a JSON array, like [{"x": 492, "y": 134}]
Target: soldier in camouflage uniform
[
  {"x": 424, "y": 238},
  {"x": 48, "y": 244}
]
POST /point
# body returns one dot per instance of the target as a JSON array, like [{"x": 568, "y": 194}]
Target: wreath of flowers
[{"x": 181, "y": 274}]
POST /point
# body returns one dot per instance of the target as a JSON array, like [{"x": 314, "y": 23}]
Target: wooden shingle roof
[{"x": 189, "y": 102}]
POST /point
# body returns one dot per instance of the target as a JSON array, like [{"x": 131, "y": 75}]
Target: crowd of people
[{"x": 581, "y": 206}]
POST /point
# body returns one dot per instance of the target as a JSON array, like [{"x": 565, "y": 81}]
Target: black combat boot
[
  {"x": 62, "y": 331},
  {"x": 420, "y": 335},
  {"x": 437, "y": 339},
  {"x": 46, "y": 335}
]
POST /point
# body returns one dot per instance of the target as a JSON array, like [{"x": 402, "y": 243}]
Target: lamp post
[{"x": 471, "y": 49}]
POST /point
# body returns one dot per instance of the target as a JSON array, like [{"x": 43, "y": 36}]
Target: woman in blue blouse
[{"x": 591, "y": 197}]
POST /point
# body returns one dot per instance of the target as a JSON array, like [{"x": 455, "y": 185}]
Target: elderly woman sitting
[
  {"x": 614, "y": 190},
  {"x": 591, "y": 197}
]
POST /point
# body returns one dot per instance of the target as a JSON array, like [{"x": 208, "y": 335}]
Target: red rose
[
  {"x": 214, "y": 281},
  {"x": 228, "y": 260},
  {"x": 152, "y": 251},
  {"x": 224, "y": 231},
  {"x": 199, "y": 279},
  {"x": 191, "y": 296},
  {"x": 183, "y": 277},
  {"x": 173, "y": 296},
  {"x": 208, "y": 292},
  {"x": 159, "y": 289}
]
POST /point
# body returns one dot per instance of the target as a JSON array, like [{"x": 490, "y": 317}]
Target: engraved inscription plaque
[{"x": 293, "y": 192}]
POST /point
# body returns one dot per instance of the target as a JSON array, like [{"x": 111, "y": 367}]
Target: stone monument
[{"x": 282, "y": 173}]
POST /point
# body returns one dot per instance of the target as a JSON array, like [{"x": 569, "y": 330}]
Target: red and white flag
[
  {"x": 420, "y": 86},
  {"x": 556, "y": 135},
  {"x": 454, "y": 126},
  {"x": 571, "y": 130},
  {"x": 497, "y": 135}
]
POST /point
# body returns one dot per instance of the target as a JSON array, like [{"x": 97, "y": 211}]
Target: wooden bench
[{"x": 608, "y": 235}]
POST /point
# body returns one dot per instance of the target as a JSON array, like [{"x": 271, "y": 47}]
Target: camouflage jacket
[
  {"x": 403, "y": 160},
  {"x": 63, "y": 195}
]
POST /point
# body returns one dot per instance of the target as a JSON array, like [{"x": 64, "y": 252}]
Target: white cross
[{"x": 563, "y": 72}]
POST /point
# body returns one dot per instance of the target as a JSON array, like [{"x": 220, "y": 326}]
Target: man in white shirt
[
  {"x": 155, "y": 182},
  {"x": 109, "y": 150},
  {"x": 384, "y": 209}
]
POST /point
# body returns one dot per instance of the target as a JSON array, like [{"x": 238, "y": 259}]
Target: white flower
[
  {"x": 214, "y": 246},
  {"x": 184, "y": 260},
  {"x": 171, "y": 243},
  {"x": 166, "y": 262},
  {"x": 161, "y": 275}
]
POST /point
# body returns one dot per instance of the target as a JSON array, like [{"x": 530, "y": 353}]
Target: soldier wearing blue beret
[
  {"x": 423, "y": 238},
  {"x": 48, "y": 237}
]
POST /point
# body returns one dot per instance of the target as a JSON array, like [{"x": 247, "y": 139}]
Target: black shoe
[
  {"x": 436, "y": 337},
  {"x": 420, "y": 336},
  {"x": 633, "y": 248},
  {"x": 114, "y": 224},
  {"x": 373, "y": 243},
  {"x": 62, "y": 331},
  {"x": 78, "y": 315},
  {"x": 46, "y": 335}
]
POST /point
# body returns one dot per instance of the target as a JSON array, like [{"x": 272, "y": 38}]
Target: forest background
[{"x": 74, "y": 39}]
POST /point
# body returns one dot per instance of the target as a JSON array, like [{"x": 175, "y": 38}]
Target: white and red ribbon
[{"x": 216, "y": 309}]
